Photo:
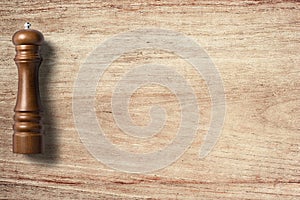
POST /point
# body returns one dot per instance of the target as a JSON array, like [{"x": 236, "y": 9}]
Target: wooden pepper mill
[{"x": 28, "y": 128}]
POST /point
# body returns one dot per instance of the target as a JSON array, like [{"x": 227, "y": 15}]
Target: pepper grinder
[{"x": 28, "y": 129}]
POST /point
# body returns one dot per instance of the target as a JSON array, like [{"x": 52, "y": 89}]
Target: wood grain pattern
[{"x": 254, "y": 44}]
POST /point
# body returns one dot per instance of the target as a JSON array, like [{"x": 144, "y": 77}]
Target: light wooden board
[{"x": 254, "y": 44}]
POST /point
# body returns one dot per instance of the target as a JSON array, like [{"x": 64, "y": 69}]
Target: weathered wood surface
[{"x": 254, "y": 44}]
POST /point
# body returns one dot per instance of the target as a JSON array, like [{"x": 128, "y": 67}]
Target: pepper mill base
[{"x": 28, "y": 143}]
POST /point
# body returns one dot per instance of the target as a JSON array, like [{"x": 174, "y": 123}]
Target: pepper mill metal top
[{"x": 28, "y": 127}]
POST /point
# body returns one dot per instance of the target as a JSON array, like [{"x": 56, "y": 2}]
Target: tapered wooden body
[{"x": 28, "y": 128}]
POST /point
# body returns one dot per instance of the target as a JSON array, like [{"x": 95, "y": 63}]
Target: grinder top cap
[{"x": 28, "y": 36}]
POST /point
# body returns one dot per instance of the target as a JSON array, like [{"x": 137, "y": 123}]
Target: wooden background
[{"x": 254, "y": 44}]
